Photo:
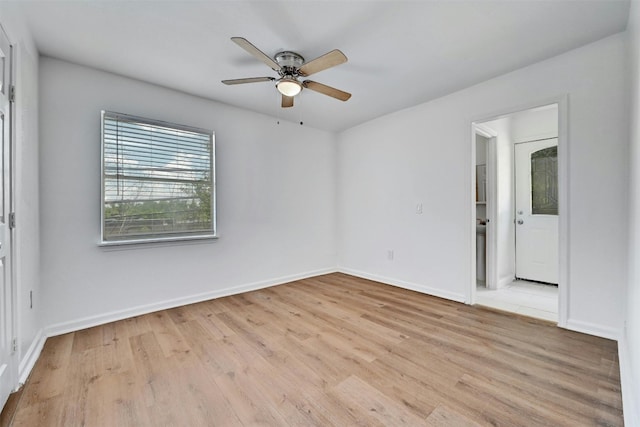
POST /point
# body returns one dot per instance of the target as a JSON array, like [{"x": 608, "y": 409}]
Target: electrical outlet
[
  {"x": 419, "y": 209},
  {"x": 390, "y": 254}
]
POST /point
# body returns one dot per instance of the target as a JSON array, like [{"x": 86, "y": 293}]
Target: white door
[
  {"x": 536, "y": 168},
  {"x": 8, "y": 365}
]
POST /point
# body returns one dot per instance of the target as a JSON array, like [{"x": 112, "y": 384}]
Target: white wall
[
  {"x": 536, "y": 123},
  {"x": 423, "y": 154},
  {"x": 630, "y": 342},
  {"x": 275, "y": 202},
  {"x": 27, "y": 233}
]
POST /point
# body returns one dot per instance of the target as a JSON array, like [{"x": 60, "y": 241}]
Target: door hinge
[
  {"x": 14, "y": 345},
  {"x": 12, "y": 93},
  {"x": 12, "y": 220}
]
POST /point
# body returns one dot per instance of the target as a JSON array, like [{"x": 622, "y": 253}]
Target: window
[
  {"x": 158, "y": 181},
  {"x": 544, "y": 181}
]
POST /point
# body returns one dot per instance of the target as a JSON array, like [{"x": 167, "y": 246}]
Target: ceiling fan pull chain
[
  {"x": 279, "y": 110},
  {"x": 300, "y": 111}
]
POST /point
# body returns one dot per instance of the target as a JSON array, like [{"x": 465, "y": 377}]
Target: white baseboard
[
  {"x": 29, "y": 359},
  {"x": 100, "y": 319},
  {"x": 630, "y": 401},
  {"x": 406, "y": 285},
  {"x": 593, "y": 329}
]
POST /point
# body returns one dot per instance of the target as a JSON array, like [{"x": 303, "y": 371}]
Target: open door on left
[{"x": 8, "y": 356}]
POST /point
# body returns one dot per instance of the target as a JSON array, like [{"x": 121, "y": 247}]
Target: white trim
[
  {"x": 630, "y": 402},
  {"x": 593, "y": 329},
  {"x": 470, "y": 297},
  {"x": 563, "y": 210},
  {"x": 453, "y": 296},
  {"x": 31, "y": 357},
  {"x": 504, "y": 281},
  {"x": 88, "y": 322},
  {"x": 531, "y": 138},
  {"x": 156, "y": 240},
  {"x": 491, "y": 238},
  {"x": 12, "y": 236},
  {"x": 484, "y": 130}
]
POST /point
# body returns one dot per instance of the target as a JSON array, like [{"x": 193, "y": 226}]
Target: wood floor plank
[
  {"x": 118, "y": 404},
  {"x": 49, "y": 374},
  {"x": 444, "y": 417},
  {"x": 207, "y": 348},
  {"x": 137, "y": 325},
  {"x": 206, "y": 315},
  {"x": 360, "y": 344},
  {"x": 82, "y": 373},
  {"x": 356, "y": 325},
  {"x": 492, "y": 353},
  {"x": 530, "y": 405},
  {"x": 337, "y": 412},
  {"x": 281, "y": 391},
  {"x": 201, "y": 396},
  {"x": 45, "y": 412},
  {"x": 9, "y": 410},
  {"x": 165, "y": 329},
  {"x": 533, "y": 382},
  {"x": 355, "y": 391},
  {"x": 420, "y": 387},
  {"x": 116, "y": 350},
  {"x": 334, "y": 350}
]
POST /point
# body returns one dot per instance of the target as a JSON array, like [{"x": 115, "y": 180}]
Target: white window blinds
[{"x": 157, "y": 181}]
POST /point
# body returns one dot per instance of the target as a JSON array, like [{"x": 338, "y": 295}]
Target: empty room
[{"x": 331, "y": 213}]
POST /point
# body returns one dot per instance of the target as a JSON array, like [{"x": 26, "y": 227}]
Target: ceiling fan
[{"x": 291, "y": 66}]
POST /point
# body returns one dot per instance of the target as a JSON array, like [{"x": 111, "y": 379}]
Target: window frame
[{"x": 177, "y": 237}]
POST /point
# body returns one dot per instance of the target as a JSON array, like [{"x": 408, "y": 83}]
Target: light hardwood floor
[{"x": 331, "y": 350}]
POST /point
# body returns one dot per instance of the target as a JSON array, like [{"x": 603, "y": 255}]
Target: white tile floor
[{"x": 522, "y": 297}]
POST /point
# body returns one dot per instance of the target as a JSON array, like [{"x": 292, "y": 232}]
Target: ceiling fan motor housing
[{"x": 290, "y": 62}]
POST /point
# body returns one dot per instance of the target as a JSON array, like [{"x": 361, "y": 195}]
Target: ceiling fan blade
[
  {"x": 328, "y": 60},
  {"x": 287, "y": 101},
  {"x": 248, "y": 80},
  {"x": 246, "y": 45},
  {"x": 326, "y": 90}
]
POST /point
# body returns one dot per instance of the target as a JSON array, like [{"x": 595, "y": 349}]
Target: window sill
[{"x": 156, "y": 241}]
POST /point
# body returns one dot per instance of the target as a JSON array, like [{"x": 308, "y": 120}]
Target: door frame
[
  {"x": 14, "y": 363},
  {"x": 491, "y": 279},
  {"x": 563, "y": 200},
  {"x": 12, "y": 209}
]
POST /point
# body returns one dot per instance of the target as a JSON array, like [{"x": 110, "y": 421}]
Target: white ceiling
[{"x": 401, "y": 53}]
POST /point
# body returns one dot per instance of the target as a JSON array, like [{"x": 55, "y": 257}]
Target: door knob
[{"x": 520, "y": 222}]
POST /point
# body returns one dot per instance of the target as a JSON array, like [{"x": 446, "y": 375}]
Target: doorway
[{"x": 523, "y": 221}]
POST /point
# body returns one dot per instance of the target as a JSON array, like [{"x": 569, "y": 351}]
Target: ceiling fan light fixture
[{"x": 288, "y": 86}]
